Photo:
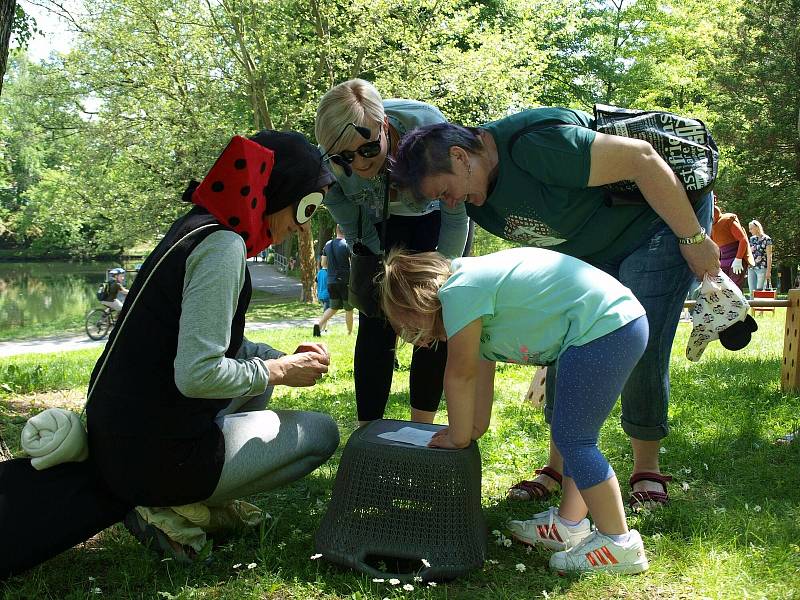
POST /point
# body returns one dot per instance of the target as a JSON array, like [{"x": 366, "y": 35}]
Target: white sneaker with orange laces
[
  {"x": 546, "y": 529},
  {"x": 598, "y": 552}
]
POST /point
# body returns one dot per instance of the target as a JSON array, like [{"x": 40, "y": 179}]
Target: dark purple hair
[{"x": 425, "y": 152}]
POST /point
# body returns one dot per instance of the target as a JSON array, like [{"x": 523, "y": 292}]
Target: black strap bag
[
  {"x": 366, "y": 267},
  {"x": 684, "y": 143}
]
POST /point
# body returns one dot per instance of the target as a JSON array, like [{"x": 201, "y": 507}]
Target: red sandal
[
  {"x": 534, "y": 489},
  {"x": 648, "y": 498}
]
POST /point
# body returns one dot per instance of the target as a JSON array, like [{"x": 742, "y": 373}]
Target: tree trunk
[
  {"x": 784, "y": 278},
  {"x": 308, "y": 266},
  {"x": 7, "y": 9},
  {"x": 797, "y": 148},
  {"x": 325, "y": 234}
]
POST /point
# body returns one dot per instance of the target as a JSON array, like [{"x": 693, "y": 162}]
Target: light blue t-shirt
[{"x": 534, "y": 303}]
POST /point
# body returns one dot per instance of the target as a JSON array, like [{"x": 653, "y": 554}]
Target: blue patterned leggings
[{"x": 589, "y": 380}]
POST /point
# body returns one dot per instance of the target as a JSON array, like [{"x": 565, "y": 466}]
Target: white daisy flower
[
  {"x": 251, "y": 566},
  {"x": 315, "y": 556},
  {"x": 408, "y": 587},
  {"x": 426, "y": 563},
  {"x": 520, "y": 567},
  {"x": 394, "y": 581}
]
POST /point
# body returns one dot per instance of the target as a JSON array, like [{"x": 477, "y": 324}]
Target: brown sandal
[
  {"x": 648, "y": 498},
  {"x": 534, "y": 489}
]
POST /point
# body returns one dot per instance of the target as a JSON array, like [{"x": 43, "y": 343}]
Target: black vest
[{"x": 136, "y": 393}]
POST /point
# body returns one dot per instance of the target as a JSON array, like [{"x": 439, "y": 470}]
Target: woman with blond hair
[
  {"x": 760, "y": 275},
  {"x": 358, "y": 130}
]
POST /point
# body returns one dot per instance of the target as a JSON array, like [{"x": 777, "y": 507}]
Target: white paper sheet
[{"x": 409, "y": 435}]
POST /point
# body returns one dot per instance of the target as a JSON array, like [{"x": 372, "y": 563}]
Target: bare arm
[
  {"x": 461, "y": 383},
  {"x": 615, "y": 158},
  {"x": 484, "y": 398}
]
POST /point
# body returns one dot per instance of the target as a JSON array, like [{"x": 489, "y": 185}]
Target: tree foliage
[
  {"x": 100, "y": 142},
  {"x": 759, "y": 94}
]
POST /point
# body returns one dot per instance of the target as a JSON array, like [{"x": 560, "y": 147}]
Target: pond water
[{"x": 33, "y": 294}]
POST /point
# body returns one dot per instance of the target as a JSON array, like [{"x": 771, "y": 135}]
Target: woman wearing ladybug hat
[{"x": 189, "y": 423}]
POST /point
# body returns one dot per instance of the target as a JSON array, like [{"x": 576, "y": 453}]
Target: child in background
[
  {"x": 322, "y": 285},
  {"x": 537, "y": 307}
]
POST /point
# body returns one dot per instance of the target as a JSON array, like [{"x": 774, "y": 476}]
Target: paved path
[{"x": 264, "y": 277}]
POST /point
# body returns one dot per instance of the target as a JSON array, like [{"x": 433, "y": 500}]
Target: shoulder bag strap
[
  {"x": 385, "y": 216},
  {"x": 135, "y": 300}
]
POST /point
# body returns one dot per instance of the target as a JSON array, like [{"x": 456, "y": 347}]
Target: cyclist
[{"x": 116, "y": 279}]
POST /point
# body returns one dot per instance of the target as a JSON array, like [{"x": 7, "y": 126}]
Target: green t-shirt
[
  {"x": 540, "y": 197},
  {"x": 534, "y": 303}
]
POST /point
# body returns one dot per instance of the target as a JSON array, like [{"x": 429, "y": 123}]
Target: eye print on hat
[{"x": 307, "y": 206}]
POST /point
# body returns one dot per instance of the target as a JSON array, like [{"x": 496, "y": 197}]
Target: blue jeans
[
  {"x": 756, "y": 278},
  {"x": 659, "y": 277}
]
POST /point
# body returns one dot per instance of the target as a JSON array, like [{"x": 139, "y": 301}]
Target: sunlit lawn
[{"x": 731, "y": 531}]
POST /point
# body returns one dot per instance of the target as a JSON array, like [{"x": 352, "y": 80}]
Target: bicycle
[{"x": 99, "y": 321}]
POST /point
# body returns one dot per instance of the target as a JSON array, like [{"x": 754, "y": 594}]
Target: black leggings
[{"x": 373, "y": 363}]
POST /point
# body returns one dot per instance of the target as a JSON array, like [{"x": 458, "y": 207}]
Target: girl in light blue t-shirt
[{"x": 538, "y": 307}]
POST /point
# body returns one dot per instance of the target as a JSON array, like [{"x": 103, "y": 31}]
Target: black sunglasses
[{"x": 367, "y": 150}]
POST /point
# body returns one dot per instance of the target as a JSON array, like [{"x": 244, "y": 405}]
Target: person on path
[
  {"x": 337, "y": 256},
  {"x": 759, "y": 277},
  {"x": 735, "y": 256}
]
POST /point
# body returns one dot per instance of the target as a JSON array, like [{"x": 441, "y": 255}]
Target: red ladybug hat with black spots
[{"x": 257, "y": 177}]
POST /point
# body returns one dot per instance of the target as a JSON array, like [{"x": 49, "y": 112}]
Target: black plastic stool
[{"x": 398, "y": 504}]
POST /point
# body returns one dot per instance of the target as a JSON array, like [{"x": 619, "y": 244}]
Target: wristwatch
[{"x": 697, "y": 238}]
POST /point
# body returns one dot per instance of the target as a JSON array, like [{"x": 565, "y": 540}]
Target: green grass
[{"x": 731, "y": 531}]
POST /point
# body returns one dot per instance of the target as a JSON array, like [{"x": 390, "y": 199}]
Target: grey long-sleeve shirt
[{"x": 215, "y": 272}]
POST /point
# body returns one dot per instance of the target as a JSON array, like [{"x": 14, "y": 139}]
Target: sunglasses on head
[{"x": 305, "y": 208}]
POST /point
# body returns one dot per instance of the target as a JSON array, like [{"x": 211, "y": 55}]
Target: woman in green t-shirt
[{"x": 545, "y": 189}]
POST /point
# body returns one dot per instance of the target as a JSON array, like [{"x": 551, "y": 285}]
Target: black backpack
[
  {"x": 102, "y": 292},
  {"x": 684, "y": 143}
]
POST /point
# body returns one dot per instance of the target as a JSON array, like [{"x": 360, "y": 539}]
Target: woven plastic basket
[{"x": 395, "y": 504}]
